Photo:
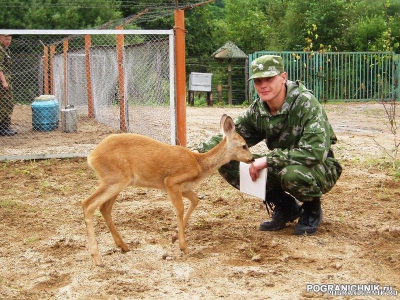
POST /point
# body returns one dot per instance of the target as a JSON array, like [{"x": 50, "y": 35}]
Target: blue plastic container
[{"x": 45, "y": 113}]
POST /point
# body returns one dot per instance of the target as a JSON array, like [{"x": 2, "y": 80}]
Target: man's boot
[
  {"x": 286, "y": 209},
  {"x": 5, "y": 130},
  {"x": 310, "y": 218}
]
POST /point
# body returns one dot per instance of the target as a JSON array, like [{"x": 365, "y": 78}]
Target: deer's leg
[
  {"x": 105, "y": 210},
  {"x": 175, "y": 195},
  {"x": 194, "y": 200},
  {"x": 100, "y": 195}
]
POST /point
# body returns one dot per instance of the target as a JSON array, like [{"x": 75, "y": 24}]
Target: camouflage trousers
[
  {"x": 301, "y": 182},
  {"x": 6, "y": 105}
]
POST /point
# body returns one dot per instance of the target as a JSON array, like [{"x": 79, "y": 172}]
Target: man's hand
[
  {"x": 3, "y": 81},
  {"x": 257, "y": 165},
  {"x": 6, "y": 86}
]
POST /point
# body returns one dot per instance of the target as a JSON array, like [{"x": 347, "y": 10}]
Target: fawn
[{"x": 127, "y": 159}]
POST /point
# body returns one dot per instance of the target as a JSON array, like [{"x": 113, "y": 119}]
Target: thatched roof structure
[{"x": 229, "y": 50}]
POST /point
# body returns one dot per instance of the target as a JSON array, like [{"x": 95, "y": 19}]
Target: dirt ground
[{"x": 44, "y": 252}]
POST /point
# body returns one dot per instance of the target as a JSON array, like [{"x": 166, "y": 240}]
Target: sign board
[{"x": 200, "y": 82}]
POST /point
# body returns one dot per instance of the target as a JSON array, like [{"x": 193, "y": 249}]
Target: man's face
[
  {"x": 5, "y": 40},
  {"x": 269, "y": 88}
]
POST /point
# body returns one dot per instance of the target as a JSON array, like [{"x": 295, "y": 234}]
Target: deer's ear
[
  {"x": 229, "y": 126},
  {"x": 222, "y": 122}
]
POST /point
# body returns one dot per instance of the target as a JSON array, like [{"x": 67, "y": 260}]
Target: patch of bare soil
[{"x": 44, "y": 252}]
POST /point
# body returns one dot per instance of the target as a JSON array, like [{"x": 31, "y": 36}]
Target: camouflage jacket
[
  {"x": 299, "y": 133},
  {"x": 5, "y": 61}
]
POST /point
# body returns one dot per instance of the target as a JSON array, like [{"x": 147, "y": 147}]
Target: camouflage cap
[{"x": 266, "y": 66}]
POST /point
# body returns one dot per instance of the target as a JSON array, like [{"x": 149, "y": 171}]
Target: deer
[{"x": 128, "y": 159}]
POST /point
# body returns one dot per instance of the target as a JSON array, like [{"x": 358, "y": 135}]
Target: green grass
[
  {"x": 30, "y": 240},
  {"x": 396, "y": 174},
  {"x": 9, "y": 205},
  {"x": 382, "y": 164}
]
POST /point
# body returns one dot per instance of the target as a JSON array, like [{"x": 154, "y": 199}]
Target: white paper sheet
[{"x": 253, "y": 188}]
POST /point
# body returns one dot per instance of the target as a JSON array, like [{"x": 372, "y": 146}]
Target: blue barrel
[{"x": 45, "y": 113}]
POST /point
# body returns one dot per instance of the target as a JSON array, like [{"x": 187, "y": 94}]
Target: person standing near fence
[
  {"x": 6, "y": 93},
  {"x": 300, "y": 164}
]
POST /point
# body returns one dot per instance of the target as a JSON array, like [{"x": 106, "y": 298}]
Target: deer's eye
[{"x": 244, "y": 147}]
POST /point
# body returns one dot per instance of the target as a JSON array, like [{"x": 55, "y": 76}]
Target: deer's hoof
[
  {"x": 174, "y": 238},
  {"x": 124, "y": 250}
]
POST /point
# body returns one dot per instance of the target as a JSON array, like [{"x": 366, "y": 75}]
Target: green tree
[
  {"x": 329, "y": 16},
  {"x": 199, "y": 37},
  {"x": 10, "y": 14},
  {"x": 247, "y": 25},
  {"x": 57, "y": 14},
  {"x": 275, "y": 11},
  {"x": 369, "y": 22},
  {"x": 364, "y": 34}
]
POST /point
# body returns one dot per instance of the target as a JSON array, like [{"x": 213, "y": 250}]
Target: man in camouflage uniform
[
  {"x": 296, "y": 129},
  {"x": 6, "y": 94}
]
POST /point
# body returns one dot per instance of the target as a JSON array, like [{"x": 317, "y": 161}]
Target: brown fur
[{"x": 127, "y": 159}]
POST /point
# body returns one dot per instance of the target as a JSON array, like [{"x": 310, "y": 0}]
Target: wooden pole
[
  {"x": 180, "y": 65},
  {"x": 52, "y": 51},
  {"x": 209, "y": 99},
  {"x": 230, "y": 81},
  {"x": 46, "y": 69},
  {"x": 88, "y": 44},
  {"x": 121, "y": 82},
  {"x": 65, "y": 51},
  {"x": 219, "y": 91}
]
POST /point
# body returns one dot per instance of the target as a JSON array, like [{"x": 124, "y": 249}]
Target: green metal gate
[{"x": 342, "y": 76}]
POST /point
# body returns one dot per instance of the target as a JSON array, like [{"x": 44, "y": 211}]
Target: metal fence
[
  {"x": 343, "y": 76},
  {"x": 73, "y": 88}
]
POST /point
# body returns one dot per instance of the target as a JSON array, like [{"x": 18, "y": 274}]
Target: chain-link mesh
[{"x": 69, "y": 92}]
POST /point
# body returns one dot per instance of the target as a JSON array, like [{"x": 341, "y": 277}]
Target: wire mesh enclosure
[{"x": 70, "y": 89}]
